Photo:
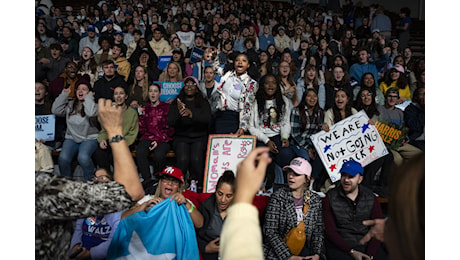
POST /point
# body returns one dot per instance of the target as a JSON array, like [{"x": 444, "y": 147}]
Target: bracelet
[
  {"x": 352, "y": 251},
  {"x": 191, "y": 204}
]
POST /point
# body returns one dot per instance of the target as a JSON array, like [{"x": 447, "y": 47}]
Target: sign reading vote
[
  {"x": 169, "y": 90},
  {"x": 44, "y": 127},
  {"x": 352, "y": 138},
  {"x": 224, "y": 153}
]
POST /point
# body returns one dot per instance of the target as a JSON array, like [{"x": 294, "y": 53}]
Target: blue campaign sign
[
  {"x": 163, "y": 61},
  {"x": 45, "y": 127},
  {"x": 196, "y": 55},
  {"x": 169, "y": 90}
]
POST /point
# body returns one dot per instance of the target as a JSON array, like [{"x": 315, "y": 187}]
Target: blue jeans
[{"x": 84, "y": 149}]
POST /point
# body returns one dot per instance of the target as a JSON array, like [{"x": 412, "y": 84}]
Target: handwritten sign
[
  {"x": 391, "y": 134},
  {"x": 45, "y": 127},
  {"x": 224, "y": 153},
  {"x": 163, "y": 61},
  {"x": 352, "y": 138},
  {"x": 169, "y": 90}
]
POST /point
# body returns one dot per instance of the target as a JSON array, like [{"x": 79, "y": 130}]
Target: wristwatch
[{"x": 116, "y": 139}]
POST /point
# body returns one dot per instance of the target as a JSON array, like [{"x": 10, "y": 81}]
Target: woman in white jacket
[{"x": 270, "y": 123}]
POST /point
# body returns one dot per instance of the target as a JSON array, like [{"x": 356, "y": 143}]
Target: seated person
[
  {"x": 214, "y": 211},
  {"x": 170, "y": 186},
  {"x": 344, "y": 210},
  {"x": 93, "y": 234}
]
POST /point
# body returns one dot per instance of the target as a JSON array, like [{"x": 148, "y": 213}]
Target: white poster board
[
  {"x": 45, "y": 127},
  {"x": 352, "y": 138},
  {"x": 224, "y": 153}
]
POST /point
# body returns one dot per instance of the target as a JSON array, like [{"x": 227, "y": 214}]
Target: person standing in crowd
[
  {"x": 237, "y": 91},
  {"x": 289, "y": 206},
  {"x": 404, "y": 27},
  {"x": 103, "y": 88},
  {"x": 102, "y": 155},
  {"x": 344, "y": 209},
  {"x": 270, "y": 124},
  {"x": 189, "y": 115},
  {"x": 80, "y": 112},
  {"x": 87, "y": 65},
  {"x": 362, "y": 66},
  {"x": 91, "y": 41},
  {"x": 155, "y": 135},
  {"x": 307, "y": 119}
]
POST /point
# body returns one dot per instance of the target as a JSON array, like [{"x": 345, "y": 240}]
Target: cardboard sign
[
  {"x": 169, "y": 90},
  {"x": 352, "y": 138},
  {"x": 45, "y": 127},
  {"x": 392, "y": 135},
  {"x": 196, "y": 55},
  {"x": 224, "y": 153},
  {"x": 163, "y": 61}
]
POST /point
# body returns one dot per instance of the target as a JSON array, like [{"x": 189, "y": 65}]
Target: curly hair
[{"x": 261, "y": 97}]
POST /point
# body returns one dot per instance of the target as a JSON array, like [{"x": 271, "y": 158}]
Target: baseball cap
[
  {"x": 173, "y": 172},
  {"x": 300, "y": 166},
  {"x": 198, "y": 35},
  {"x": 119, "y": 33},
  {"x": 108, "y": 21},
  {"x": 90, "y": 28},
  {"x": 352, "y": 168},
  {"x": 398, "y": 68},
  {"x": 127, "y": 11},
  {"x": 281, "y": 28},
  {"x": 376, "y": 30}
]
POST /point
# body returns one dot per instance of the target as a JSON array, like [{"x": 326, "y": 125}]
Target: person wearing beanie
[
  {"x": 345, "y": 207},
  {"x": 290, "y": 205},
  {"x": 80, "y": 137}
]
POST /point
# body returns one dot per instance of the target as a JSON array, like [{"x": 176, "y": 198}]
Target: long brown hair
[{"x": 405, "y": 228}]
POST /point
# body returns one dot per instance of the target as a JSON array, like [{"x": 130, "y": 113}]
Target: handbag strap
[{"x": 307, "y": 202}]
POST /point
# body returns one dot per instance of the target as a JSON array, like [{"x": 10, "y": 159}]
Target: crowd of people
[{"x": 279, "y": 71}]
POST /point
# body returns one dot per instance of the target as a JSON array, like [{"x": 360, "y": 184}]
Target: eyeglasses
[
  {"x": 101, "y": 178},
  {"x": 70, "y": 67},
  {"x": 171, "y": 181},
  {"x": 392, "y": 96}
]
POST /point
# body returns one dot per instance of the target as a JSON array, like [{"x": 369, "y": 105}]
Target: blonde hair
[
  {"x": 164, "y": 76},
  {"x": 144, "y": 86},
  {"x": 158, "y": 190}
]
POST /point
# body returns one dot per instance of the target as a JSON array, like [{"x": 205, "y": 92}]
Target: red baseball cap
[{"x": 174, "y": 172}]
